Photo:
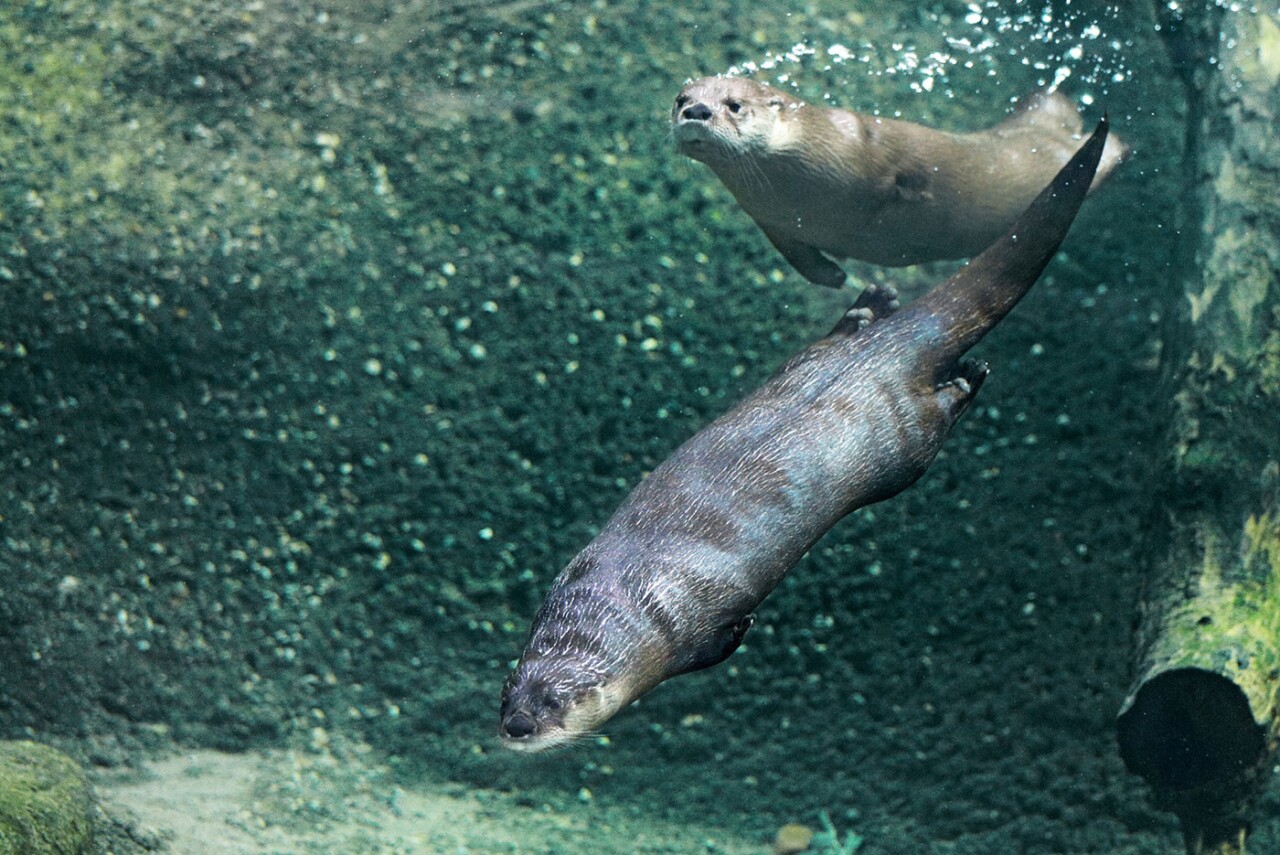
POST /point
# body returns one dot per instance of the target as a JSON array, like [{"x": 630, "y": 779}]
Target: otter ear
[{"x": 715, "y": 649}]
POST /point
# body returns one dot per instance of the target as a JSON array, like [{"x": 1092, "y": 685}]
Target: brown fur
[{"x": 828, "y": 182}]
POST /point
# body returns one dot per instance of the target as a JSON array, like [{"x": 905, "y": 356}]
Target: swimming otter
[
  {"x": 669, "y": 584},
  {"x": 823, "y": 182}
]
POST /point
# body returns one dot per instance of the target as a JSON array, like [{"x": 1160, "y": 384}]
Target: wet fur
[
  {"x": 830, "y": 183},
  {"x": 669, "y": 584}
]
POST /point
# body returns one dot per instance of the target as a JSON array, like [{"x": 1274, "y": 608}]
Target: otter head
[
  {"x": 719, "y": 119},
  {"x": 586, "y": 659},
  {"x": 554, "y": 700}
]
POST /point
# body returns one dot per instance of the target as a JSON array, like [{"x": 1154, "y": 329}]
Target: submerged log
[{"x": 1202, "y": 719}]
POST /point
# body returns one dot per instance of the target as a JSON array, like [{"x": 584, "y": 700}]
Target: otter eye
[
  {"x": 554, "y": 704},
  {"x": 734, "y": 106},
  {"x": 775, "y": 102},
  {"x": 681, "y": 100}
]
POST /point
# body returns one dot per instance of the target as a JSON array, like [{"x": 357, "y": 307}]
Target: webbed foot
[
  {"x": 876, "y": 302},
  {"x": 955, "y": 395}
]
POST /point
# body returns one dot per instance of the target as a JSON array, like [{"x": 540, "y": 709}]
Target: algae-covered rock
[{"x": 46, "y": 805}]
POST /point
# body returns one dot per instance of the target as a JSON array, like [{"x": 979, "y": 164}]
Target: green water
[{"x": 331, "y": 333}]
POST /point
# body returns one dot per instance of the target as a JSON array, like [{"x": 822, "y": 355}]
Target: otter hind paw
[
  {"x": 957, "y": 394},
  {"x": 882, "y": 300},
  {"x": 876, "y": 302}
]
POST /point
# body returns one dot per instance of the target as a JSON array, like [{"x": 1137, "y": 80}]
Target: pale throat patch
[
  {"x": 597, "y": 706},
  {"x": 782, "y": 133}
]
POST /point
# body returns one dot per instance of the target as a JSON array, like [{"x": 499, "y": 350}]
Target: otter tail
[{"x": 960, "y": 311}]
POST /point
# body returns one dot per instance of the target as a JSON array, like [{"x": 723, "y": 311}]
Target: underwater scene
[{"x": 332, "y": 332}]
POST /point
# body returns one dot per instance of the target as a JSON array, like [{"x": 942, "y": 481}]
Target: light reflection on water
[{"x": 1057, "y": 43}]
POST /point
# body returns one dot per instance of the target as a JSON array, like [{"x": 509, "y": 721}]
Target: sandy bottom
[{"x": 302, "y": 802}]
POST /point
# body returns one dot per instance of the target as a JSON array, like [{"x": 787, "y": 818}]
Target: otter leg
[
  {"x": 715, "y": 649},
  {"x": 875, "y": 303},
  {"x": 808, "y": 261},
  {"x": 957, "y": 394}
]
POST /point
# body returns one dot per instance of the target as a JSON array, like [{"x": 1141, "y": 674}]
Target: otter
[
  {"x": 670, "y": 583},
  {"x": 827, "y": 182}
]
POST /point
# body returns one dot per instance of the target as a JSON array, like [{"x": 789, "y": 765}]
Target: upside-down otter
[
  {"x": 822, "y": 181},
  {"x": 669, "y": 584}
]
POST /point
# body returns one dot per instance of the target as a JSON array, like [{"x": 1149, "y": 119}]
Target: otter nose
[
  {"x": 696, "y": 113},
  {"x": 518, "y": 726}
]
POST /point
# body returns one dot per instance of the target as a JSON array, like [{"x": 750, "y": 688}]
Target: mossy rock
[{"x": 46, "y": 804}]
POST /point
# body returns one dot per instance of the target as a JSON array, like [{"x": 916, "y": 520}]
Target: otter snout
[
  {"x": 698, "y": 112},
  {"x": 518, "y": 725},
  {"x": 537, "y": 714},
  {"x": 526, "y": 711},
  {"x": 533, "y": 709}
]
